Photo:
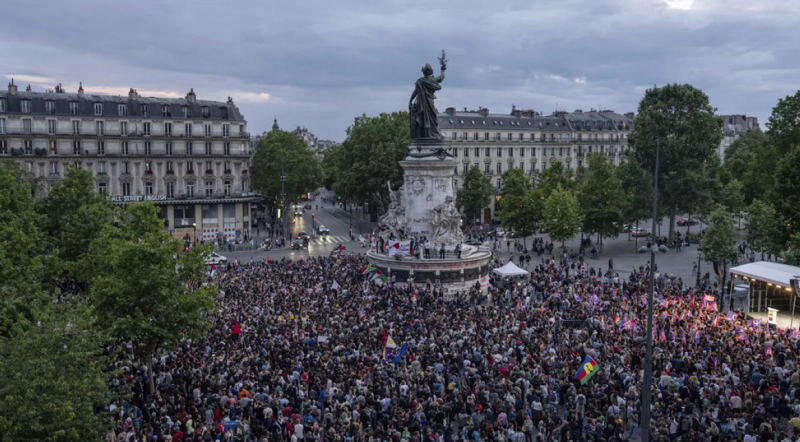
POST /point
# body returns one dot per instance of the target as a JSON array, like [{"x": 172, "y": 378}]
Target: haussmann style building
[
  {"x": 530, "y": 141},
  {"x": 190, "y": 157}
]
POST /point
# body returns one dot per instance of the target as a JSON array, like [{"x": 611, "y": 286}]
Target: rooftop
[{"x": 532, "y": 120}]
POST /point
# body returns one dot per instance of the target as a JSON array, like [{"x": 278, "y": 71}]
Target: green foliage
[
  {"x": 23, "y": 262},
  {"x": 764, "y": 227},
  {"x": 359, "y": 168},
  {"x": 637, "y": 185},
  {"x": 53, "y": 377},
  {"x": 554, "y": 176},
  {"x": 283, "y": 153},
  {"x": 784, "y": 123},
  {"x": 562, "y": 217},
  {"x": 602, "y": 199},
  {"x": 689, "y": 132},
  {"x": 785, "y": 194},
  {"x": 74, "y": 214},
  {"x": 139, "y": 292},
  {"x": 522, "y": 208},
  {"x": 719, "y": 242},
  {"x": 733, "y": 196},
  {"x": 475, "y": 193},
  {"x": 792, "y": 255},
  {"x": 752, "y": 159}
]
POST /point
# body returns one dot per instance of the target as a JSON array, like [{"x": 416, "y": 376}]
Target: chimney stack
[
  {"x": 629, "y": 114},
  {"x": 450, "y": 111},
  {"x": 191, "y": 97},
  {"x": 12, "y": 88},
  {"x": 483, "y": 111},
  {"x": 28, "y": 88},
  {"x": 80, "y": 90},
  {"x": 133, "y": 95}
]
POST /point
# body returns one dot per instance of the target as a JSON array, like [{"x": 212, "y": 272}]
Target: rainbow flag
[
  {"x": 587, "y": 369},
  {"x": 617, "y": 321}
]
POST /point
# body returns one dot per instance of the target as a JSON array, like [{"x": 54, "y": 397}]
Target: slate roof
[
  {"x": 526, "y": 120},
  {"x": 110, "y": 108}
]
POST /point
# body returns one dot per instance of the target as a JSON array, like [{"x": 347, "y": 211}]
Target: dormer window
[
  {"x": 3, "y": 105},
  {"x": 74, "y": 109},
  {"x": 98, "y": 108},
  {"x": 206, "y": 112},
  {"x": 186, "y": 112},
  {"x": 50, "y": 107},
  {"x": 123, "y": 110},
  {"x": 224, "y": 112},
  {"x": 25, "y": 106},
  {"x": 166, "y": 112},
  {"x": 145, "y": 109}
]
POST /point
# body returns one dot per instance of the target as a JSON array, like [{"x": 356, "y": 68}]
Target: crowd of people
[{"x": 317, "y": 350}]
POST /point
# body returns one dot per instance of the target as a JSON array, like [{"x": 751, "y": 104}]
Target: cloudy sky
[{"x": 320, "y": 63}]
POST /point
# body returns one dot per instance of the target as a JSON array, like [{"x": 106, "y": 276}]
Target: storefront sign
[{"x": 135, "y": 198}]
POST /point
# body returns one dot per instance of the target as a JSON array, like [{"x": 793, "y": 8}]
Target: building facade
[
  {"x": 190, "y": 157},
  {"x": 733, "y": 127},
  {"x": 532, "y": 142}
]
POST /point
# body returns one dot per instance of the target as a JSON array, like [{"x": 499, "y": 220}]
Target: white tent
[{"x": 510, "y": 270}]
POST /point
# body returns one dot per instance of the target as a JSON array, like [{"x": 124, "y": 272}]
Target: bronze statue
[{"x": 421, "y": 109}]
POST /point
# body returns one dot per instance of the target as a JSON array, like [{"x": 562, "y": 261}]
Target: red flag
[{"x": 341, "y": 247}]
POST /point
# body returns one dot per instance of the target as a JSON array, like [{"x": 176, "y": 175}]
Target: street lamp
[
  {"x": 699, "y": 257},
  {"x": 648, "y": 358}
]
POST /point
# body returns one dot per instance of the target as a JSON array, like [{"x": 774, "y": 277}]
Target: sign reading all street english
[{"x": 135, "y": 198}]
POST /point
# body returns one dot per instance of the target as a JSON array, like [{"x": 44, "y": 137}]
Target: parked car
[
  {"x": 639, "y": 233},
  {"x": 322, "y": 230},
  {"x": 216, "y": 259},
  {"x": 686, "y": 222}
]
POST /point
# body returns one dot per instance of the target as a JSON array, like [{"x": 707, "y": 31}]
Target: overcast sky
[{"x": 320, "y": 63}]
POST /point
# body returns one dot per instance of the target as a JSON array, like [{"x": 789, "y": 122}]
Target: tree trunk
[
  {"x": 637, "y": 235},
  {"x": 671, "y": 222},
  {"x": 151, "y": 383}
]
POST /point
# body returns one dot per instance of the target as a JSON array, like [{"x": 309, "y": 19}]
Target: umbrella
[{"x": 795, "y": 422}]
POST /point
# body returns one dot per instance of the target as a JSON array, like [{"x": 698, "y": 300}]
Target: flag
[
  {"x": 617, "y": 320},
  {"x": 341, "y": 248},
  {"x": 335, "y": 285},
  {"x": 268, "y": 261},
  {"x": 402, "y": 352},
  {"x": 715, "y": 322},
  {"x": 361, "y": 313},
  {"x": 587, "y": 369},
  {"x": 691, "y": 303},
  {"x": 213, "y": 271},
  {"x": 683, "y": 335},
  {"x": 663, "y": 335},
  {"x": 731, "y": 316},
  {"x": 368, "y": 269},
  {"x": 389, "y": 347}
]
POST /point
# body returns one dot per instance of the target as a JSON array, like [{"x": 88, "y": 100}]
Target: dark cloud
[{"x": 322, "y": 63}]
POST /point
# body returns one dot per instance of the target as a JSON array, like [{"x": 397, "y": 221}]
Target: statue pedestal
[{"x": 427, "y": 182}]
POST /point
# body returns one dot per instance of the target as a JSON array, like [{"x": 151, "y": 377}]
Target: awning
[
  {"x": 772, "y": 272},
  {"x": 510, "y": 270}
]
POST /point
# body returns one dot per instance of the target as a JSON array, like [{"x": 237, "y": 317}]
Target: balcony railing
[{"x": 22, "y": 132}]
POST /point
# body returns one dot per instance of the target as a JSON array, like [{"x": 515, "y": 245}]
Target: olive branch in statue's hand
[{"x": 443, "y": 61}]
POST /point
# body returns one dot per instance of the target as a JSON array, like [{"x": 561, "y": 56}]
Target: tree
[
  {"x": 601, "y": 198},
  {"x": 475, "y": 193},
  {"x": 784, "y": 123},
  {"x": 74, "y": 214},
  {"x": 785, "y": 194},
  {"x": 792, "y": 255},
  {"x": 140, "y": 290},
  {"x": 637, "y": 185},
  {"x": 562, "y": 217},
  {"x": 360, "y": 167},
  {"x": 24, "y": 264},
  {"x": 719, "y": 243},
  {"x": 554, "y": 176},
  {"x": 752, "y": 159},
  {"x": 522, "y": 208},
  {"x": 53, "y": 377},
  {"x": 681, "y": 120},
  {"x": 764, "y": 227},
  {"x": 282, "y": 153},
  {"x": 733, "y": 197}
]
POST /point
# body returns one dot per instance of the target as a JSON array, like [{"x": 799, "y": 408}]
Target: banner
[
  {"x": 484, "y": 281},
  {"x": 399, "y": 247}
]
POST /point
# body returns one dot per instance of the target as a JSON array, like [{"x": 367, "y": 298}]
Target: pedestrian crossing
[{"x": 331, "y": 239}]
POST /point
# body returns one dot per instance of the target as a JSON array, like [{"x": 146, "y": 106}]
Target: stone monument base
[{"x": 451, "y": 273}]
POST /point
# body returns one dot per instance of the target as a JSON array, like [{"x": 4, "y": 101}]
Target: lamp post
[
  {"x": 648, "y": 358},
  {"x": 283, "y": 202},
  {"x": 699, "y": 256}
]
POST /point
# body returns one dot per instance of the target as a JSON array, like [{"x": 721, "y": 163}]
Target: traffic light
[{"x": 312, "y": 215}]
